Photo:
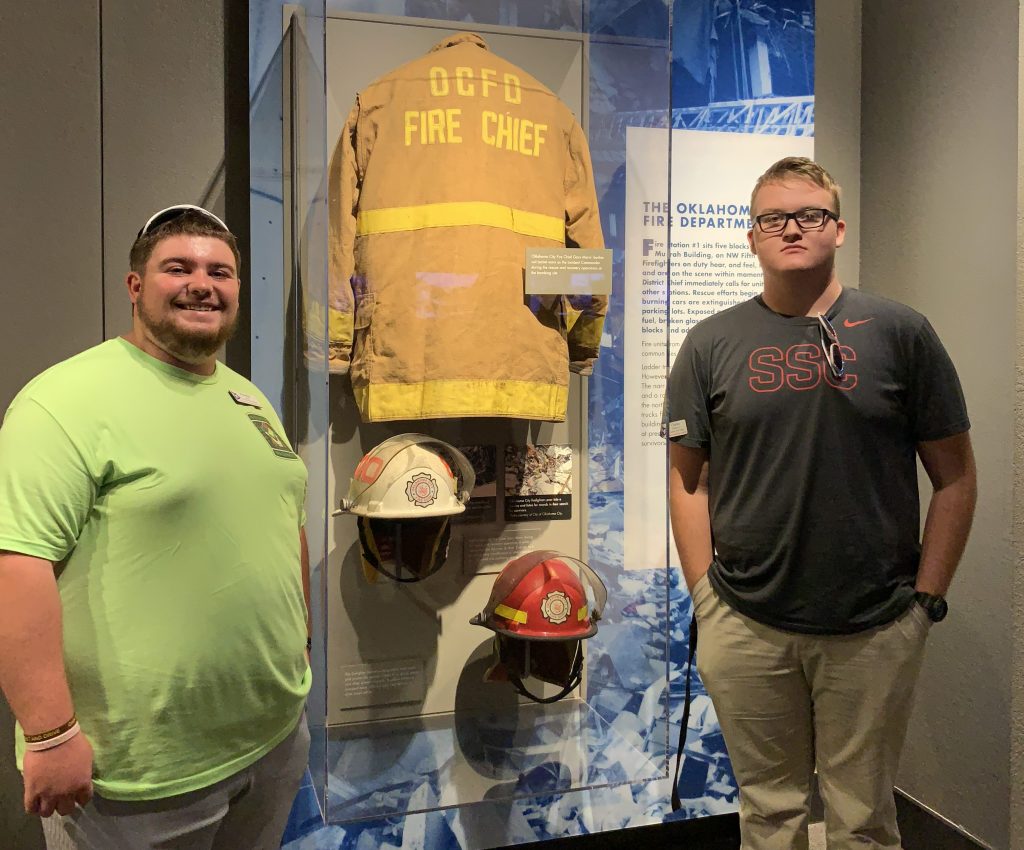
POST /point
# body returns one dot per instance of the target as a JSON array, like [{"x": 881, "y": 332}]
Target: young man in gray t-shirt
[{"x": 796, "y": 419}]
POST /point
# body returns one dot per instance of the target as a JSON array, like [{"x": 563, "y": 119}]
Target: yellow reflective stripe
[
  {"x": 439, "y": 399},
  {"x": 339, "y": 325},
  {"x": 513, "y": 614},
  {"x": 460, "y": 214},
  {"x": 535, "y": 224},
  {"x": 581, "y": 615}
]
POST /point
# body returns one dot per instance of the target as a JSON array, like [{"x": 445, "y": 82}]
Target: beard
[{"x": 190, "y": 346}]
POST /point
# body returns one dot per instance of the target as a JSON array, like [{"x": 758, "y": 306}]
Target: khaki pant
[{"x": 791, "y": 703}]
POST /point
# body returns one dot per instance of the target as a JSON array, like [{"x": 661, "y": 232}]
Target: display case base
[{"x": 470, "y": 757}]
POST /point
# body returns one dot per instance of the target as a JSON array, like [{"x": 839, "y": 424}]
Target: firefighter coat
[{"x": 447, "y": 170}]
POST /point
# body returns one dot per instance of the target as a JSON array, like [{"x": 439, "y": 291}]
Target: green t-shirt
[{"x": 175, "y": 502}]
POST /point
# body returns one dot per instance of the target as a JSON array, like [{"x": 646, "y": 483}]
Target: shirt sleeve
[
  {"x": 46, "y": 490},
  {"x": 936, "y": 400},
  {"x": 686, "y": 400}
]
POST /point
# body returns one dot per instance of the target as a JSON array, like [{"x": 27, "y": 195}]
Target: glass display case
[{"x": 488, "y": 224}]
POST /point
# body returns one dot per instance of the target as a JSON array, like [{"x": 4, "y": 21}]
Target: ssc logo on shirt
[
  {"x": 421, "y": 490},
  {"x": 279, "y": 446},
  {"x": 799, "y": 367}
]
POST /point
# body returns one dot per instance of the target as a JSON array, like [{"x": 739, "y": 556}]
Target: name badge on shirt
[
  {"x": 243, "y": 399},
  {"x": 677, "y": 428}
]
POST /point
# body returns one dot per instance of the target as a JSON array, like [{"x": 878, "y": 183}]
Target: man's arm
[
  {"x": 950, "y": 466},
  {"x": 32, "y": 678},
  {"x": 689, "y": 511}
]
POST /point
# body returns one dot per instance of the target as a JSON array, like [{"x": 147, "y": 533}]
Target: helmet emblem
[
  {"x": 421, "y": 490},
  {"x": 555, "y": 607}
]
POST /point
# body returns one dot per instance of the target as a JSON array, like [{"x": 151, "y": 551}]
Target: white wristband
[{"x": 54, "y": 742}]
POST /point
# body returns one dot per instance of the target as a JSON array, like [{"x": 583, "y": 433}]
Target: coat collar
[{"x": 459, "y": 38}]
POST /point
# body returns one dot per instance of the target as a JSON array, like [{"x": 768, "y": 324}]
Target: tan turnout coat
[{"x": 447, "y": 170}]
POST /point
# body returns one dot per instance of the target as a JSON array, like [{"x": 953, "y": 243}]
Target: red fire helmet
[
  {"x": 540, "y": 612},
  {"x": 541, "y": 596}
]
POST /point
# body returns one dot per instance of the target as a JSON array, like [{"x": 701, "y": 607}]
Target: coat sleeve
[
  {"x": 343, "y": 201},
  {"x": 584, "y": 313}
]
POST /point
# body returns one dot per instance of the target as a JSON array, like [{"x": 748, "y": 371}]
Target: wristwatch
[{"x": 934, "y": 606}]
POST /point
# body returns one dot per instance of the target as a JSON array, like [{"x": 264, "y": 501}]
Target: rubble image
[
  {"x": 538, "y": 483},
  {"x": 538, "y": 470}
]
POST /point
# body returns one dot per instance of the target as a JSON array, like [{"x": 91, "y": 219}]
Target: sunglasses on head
[{"x": 177, "y": 211}]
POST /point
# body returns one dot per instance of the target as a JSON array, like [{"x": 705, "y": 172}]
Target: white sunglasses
[{"x": 171, "y": 213}]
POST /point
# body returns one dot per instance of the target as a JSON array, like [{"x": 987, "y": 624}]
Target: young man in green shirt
[{"x": 153, "y": 572}]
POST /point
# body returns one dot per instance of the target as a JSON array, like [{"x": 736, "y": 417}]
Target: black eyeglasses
[
  {"x": 830, "y": 347},
  {"x": 811, "y": 218},
  {"x": 177, "y": 211}
]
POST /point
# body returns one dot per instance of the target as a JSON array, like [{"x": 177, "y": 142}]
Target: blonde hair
[{"x": 800, "y": 167}]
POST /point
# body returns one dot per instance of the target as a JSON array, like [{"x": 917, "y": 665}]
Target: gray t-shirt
[{"x": 813, "y": 480}]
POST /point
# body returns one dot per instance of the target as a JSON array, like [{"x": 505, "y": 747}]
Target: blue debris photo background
[{"x": 715, "y": 65}]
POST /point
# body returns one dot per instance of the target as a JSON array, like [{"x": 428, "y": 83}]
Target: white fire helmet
[
  {"x": 410, "y": 477},
  {"x": 403, "y": 494}
]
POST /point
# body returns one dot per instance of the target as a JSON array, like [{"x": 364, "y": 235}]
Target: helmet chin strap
[{"x": 575, "y": 678}]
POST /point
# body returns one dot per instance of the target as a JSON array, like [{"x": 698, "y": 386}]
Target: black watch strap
[{"x": 935, "y": 606}]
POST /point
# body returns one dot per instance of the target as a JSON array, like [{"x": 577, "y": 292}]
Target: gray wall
[
  {"x": 837, "y": 74},
  {"x": 49, "y": 222},
  {"x": 163, "y": 123},
  {"x": 939, "y": 149},
  {"x": 107, "y": 116}
]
